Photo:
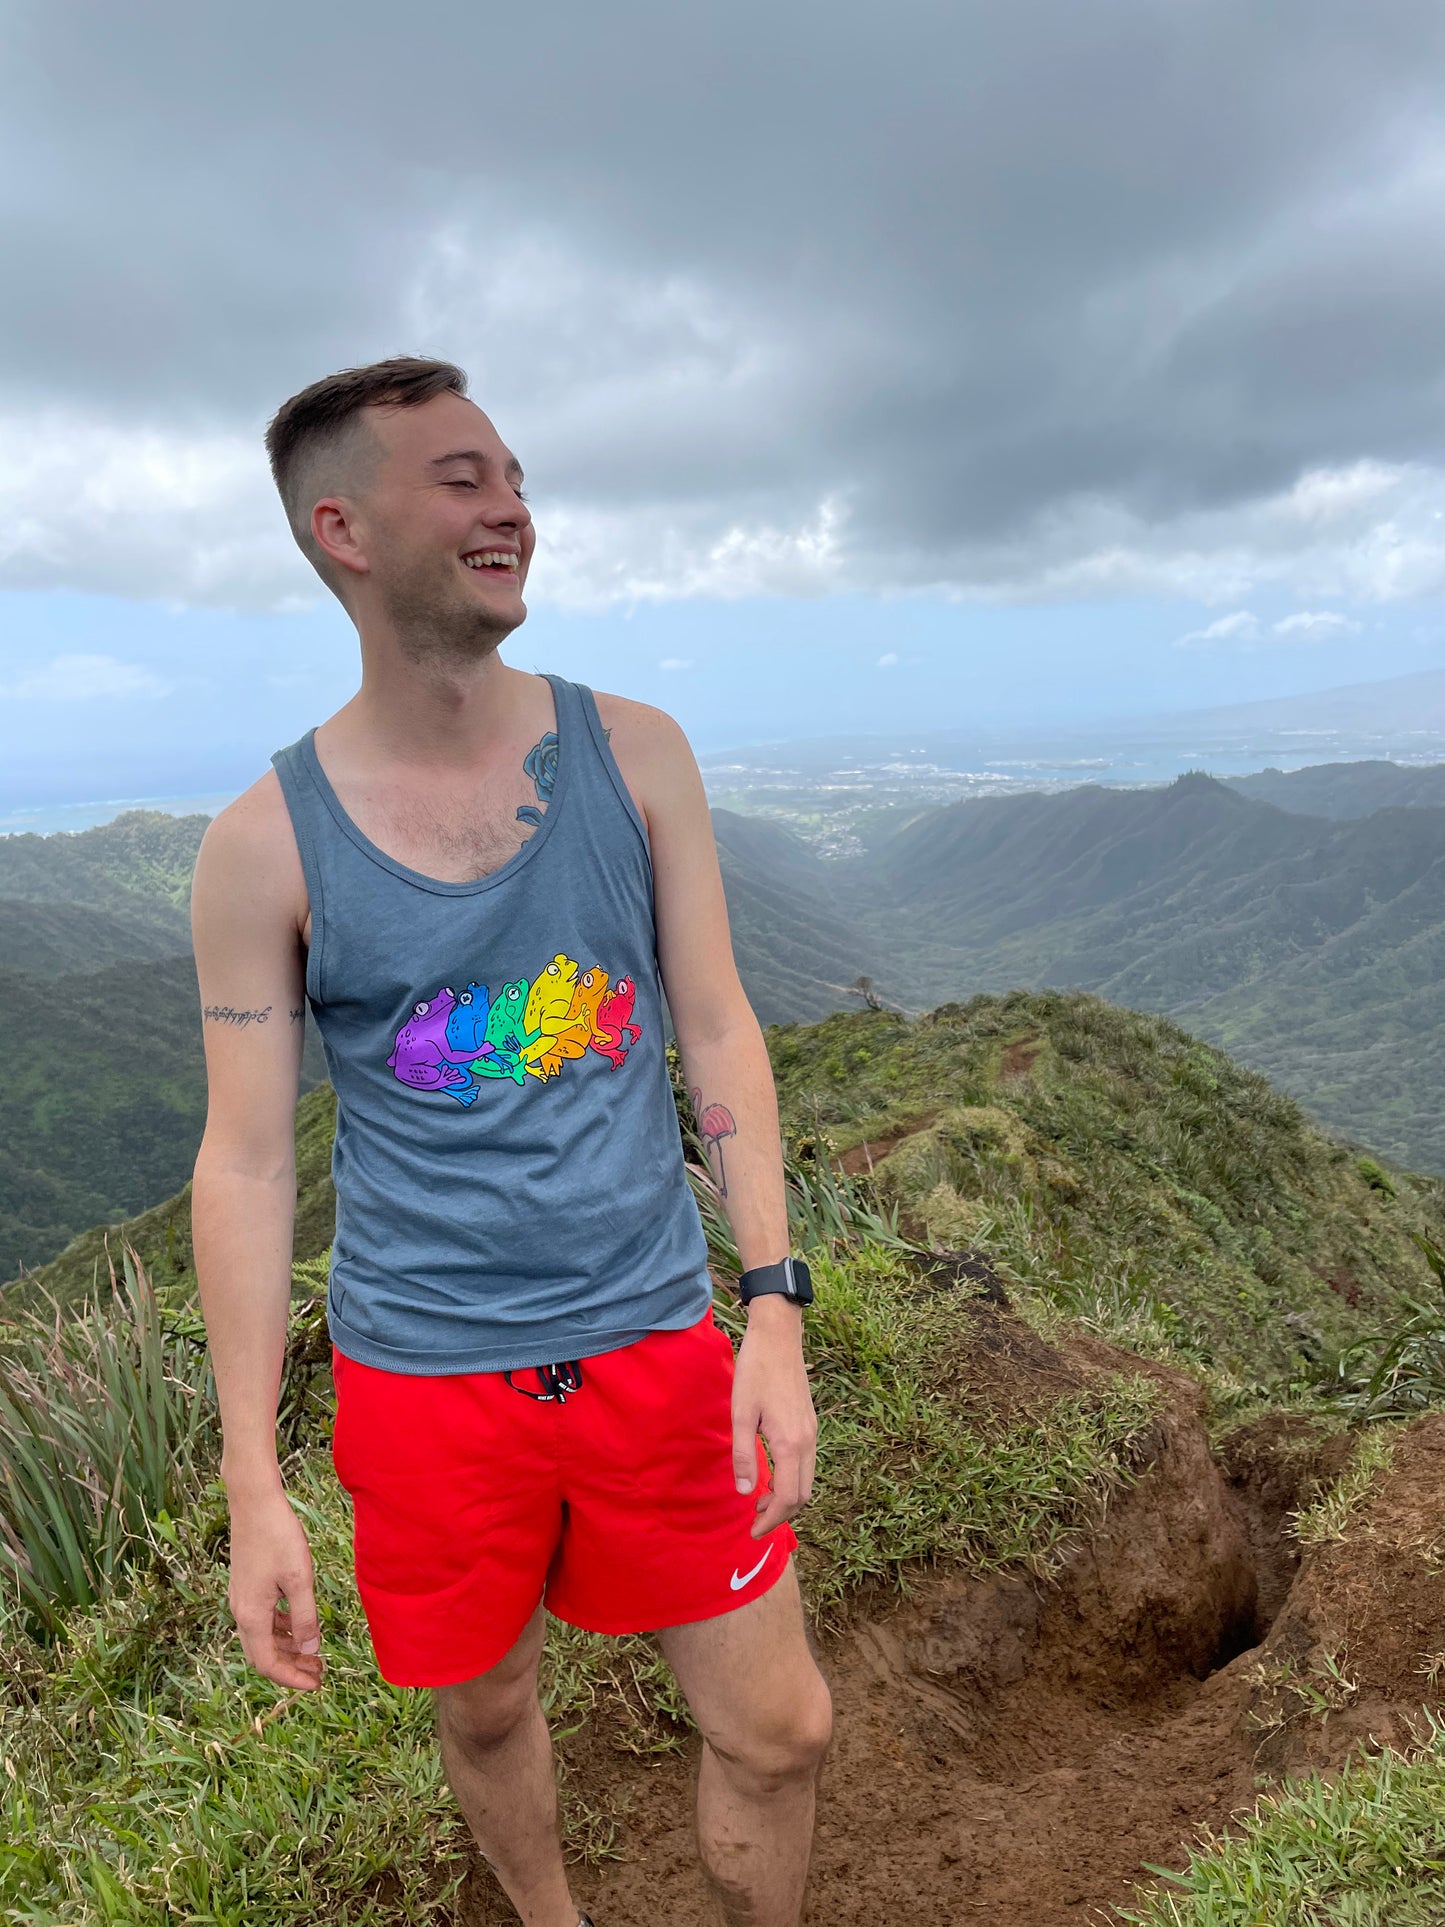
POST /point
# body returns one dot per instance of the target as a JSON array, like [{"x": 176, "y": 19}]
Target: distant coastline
[{"x": 46, "y": 819}]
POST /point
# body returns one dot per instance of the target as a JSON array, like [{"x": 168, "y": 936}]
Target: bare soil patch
[
  {"x": 1358, "y": 1650},
  {"x": 1010, "y": 1753},
  {"x": 1017, "y": 1059},
  {"x": 859, "y": 1159},
  {"x": 1007, "y": 1752},
  {"x": 1274, "y": 1467}
]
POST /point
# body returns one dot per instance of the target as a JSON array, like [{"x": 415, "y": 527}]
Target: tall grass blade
[{"x": 105, "y": 1421}]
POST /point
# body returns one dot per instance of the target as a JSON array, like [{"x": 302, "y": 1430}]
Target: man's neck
[{"x": 433, "y": 712}]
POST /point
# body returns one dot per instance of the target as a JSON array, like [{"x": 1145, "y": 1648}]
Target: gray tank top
[{"x": 510, "y": 1187}]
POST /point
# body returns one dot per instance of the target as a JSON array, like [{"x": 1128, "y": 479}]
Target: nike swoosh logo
[{"x": 738, "y": 1584}]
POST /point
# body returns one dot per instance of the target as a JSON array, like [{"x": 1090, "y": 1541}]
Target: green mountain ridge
[
  {"x": 140, "y": 856},
  {"x": 794, "y": 952},
  {"x": 105, "y": 1095},
  {"x": 1307, "y": 945},
  {"x": 1346, "y": 789},
  {"x": 40, "y": 938}
]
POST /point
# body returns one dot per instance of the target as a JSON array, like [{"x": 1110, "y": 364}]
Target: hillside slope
[
  {"x": 1133, "y": 1161},
  {"x": 99, "y": 1028},
  {"x": 795, "y": 952},
  {"x": 140, "y": 861},
  {"x": 1309, "y": 946},
  {"x": 162, "y": 1232},
  {"x": 104, "y": 1098},
  {"x": 1346, "y": 789},
  {"x": 1069, "y": 1606},
  {"x": 52, "y": 939}
]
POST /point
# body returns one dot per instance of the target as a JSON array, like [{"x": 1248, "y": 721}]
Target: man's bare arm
[
  {"x": 731, "y": 1082},
  {"x": 253, "y": 1006}
]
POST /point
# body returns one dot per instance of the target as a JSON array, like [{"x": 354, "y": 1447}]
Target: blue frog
[{"x": 467, "y": 1021}]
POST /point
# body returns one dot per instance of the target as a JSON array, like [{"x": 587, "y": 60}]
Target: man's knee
[
  {"x": 483, "y": 1713},
  {"x": 781, "y": 1744},
  {"x": 479, "y": 1718}
]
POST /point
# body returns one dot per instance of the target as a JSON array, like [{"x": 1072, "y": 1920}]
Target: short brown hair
[{"x": 320, "y": 426}]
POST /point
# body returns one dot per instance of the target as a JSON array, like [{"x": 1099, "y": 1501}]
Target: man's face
[{"x": 446, "y": 533}]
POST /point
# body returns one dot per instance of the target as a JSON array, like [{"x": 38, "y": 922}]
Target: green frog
[{"x": 507, "y": 1033}]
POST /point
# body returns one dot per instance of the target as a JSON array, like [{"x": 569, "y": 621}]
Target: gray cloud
[{"x": 1010, "y": 298}]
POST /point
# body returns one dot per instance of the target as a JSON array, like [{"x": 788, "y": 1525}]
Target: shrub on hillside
[
  {"x": 1400, "y": 1371},
  {"x": 106, "y": 1426}
]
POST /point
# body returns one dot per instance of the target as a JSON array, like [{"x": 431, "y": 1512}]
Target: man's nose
[{"x": 509, "y": 512}]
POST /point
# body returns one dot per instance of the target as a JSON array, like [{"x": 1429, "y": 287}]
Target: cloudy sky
[{"x": 967, "y": 361}]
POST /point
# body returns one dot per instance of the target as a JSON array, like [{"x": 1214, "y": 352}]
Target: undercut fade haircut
[{"x": 319, "y": 441}]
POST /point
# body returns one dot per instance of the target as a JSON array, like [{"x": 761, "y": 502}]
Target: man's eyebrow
[{"x": 513, "y": 470}]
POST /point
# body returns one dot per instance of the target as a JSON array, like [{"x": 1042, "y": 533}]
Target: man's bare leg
[
  {"x": 498, "y": 1757},
  {"x": 766, "y": 1718}
]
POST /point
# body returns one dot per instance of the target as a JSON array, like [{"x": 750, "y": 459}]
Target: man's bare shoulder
[
  {"x": 250, "y": 847},
  {"x": 655, "y": 759},
  {"x": 642, "y": 730}
]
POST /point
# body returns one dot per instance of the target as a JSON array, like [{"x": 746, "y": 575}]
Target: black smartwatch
[{"x": 788, "y": 1279}]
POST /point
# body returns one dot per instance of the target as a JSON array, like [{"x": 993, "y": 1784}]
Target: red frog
[{"x": 614, "y": 1021}]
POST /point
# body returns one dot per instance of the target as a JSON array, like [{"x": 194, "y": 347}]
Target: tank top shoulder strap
[
  {"x": 584, "y": 741},
  {"x": 311, "y": 823}
]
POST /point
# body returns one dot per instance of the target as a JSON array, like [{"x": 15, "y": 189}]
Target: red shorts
[{"x": 616, "y": 1505}]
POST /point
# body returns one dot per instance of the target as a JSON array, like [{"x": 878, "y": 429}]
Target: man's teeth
[{"x": 491, "y": 559}]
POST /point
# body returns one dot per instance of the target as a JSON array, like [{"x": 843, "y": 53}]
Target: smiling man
[{"x": 482, "y": 881}]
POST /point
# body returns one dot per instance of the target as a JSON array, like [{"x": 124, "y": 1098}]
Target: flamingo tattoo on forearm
[{"x": 714, "y": 1123}]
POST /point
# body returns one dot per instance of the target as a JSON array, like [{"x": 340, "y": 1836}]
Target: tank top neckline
[{"x": 569, "y": 727}]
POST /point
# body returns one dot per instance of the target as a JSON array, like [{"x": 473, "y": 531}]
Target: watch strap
[{"x": 788, "y": 1278}]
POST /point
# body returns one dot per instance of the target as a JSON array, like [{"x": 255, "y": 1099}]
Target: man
[{"x": 481, "y": 880}]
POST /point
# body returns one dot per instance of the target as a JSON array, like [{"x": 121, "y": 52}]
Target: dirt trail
[
  {"x": 1015, "y": 1755},
  {"x": 1010, "y": 1755}
]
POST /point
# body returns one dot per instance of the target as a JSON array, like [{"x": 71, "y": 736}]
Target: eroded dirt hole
[
  {"x": 1015, "y": 1754},
  {"x": 1272, "y": 1468}
]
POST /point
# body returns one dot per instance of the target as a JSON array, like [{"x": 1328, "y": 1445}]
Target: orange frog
[{"x": 578, "y": 1030}]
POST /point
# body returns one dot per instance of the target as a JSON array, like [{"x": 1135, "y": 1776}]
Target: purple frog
[{"x": 423, "y": 1059}]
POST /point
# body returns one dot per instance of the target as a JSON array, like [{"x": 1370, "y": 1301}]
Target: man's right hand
[{"x": 270, "y": 1558}]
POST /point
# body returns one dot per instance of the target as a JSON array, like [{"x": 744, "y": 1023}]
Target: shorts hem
[
  {"x": 613, "y": 1628},
  {"x": 421, "y": 1677}
]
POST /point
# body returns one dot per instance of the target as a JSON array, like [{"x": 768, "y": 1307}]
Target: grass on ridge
[
  {"x": 1366, "y": 1849},
  {"x": 148, "y": 1776},
  {"x": 1329, "y": 1516},
  {"x": 1135, "y": 1152}
]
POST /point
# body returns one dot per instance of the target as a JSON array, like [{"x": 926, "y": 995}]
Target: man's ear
[{"x": 336, "y": 531}]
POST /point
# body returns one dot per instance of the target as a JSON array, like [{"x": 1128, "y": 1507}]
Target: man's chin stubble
[{"x": 440, "y": 638}]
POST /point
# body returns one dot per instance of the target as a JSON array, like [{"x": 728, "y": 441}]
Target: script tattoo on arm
[
  {"x": 714, "y": 1123},
  {"x": 540, "y": 763},
  {"x": 299, "y": 1016},
  {"x": 237, "y": 1019}
]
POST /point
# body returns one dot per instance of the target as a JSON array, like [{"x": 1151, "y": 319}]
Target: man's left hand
[{"x": 771, "y": 1396}]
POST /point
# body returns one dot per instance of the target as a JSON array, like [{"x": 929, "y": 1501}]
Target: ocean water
[{"x": 45, "y": 819}]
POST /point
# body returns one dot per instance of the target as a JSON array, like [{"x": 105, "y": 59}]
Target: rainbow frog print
[
  {"x": 455, "y": 1042},
  {"x": 423, "y": 1057}
]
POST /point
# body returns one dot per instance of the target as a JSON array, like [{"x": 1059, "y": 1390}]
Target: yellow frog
[
  {"x": 579, "y": 1028},
  {"x": 549, "y": 1003}
]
